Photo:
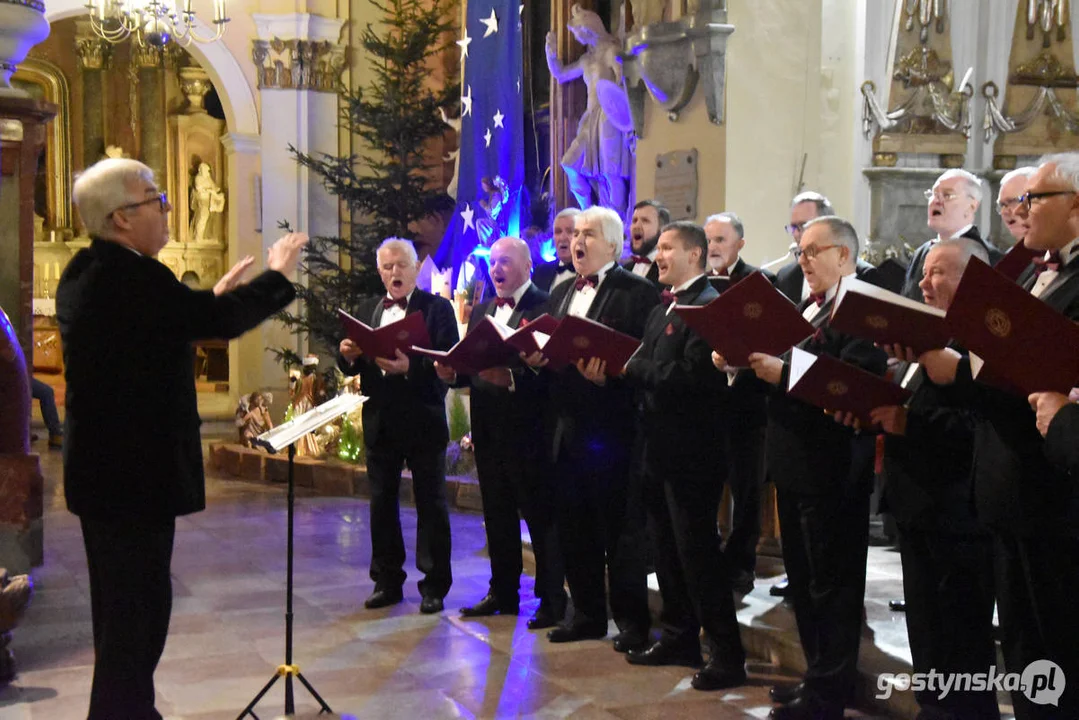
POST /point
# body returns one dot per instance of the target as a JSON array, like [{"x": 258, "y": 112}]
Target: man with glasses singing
[
  {"x": 953, "y": 203},
  {"x": 127, "y": 325},
  {"x": 790, "y": 281}
]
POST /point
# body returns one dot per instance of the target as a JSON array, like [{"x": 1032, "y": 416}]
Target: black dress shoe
[
  {"x": 383, "y": 597},
  {"x": 661, "y": 653},
  {"x": 715, "y": 676},
  {"x": 490, "y": 605},
  {"x": 779, "y": 589},
  {"x": 573, "y": 633},
  {"x": 742, "y": 582},
  {"x": 897, "y": 605},
  {"x": 807, "y": 708},
  {"x": 785, "y": 694},
  {"x": 431, "y": 605},
  {"x": 632, "y": 639},
  {"x": 543, "y": 618}
]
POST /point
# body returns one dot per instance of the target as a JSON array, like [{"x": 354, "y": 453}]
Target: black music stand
[{"x": 286, "y": 435}]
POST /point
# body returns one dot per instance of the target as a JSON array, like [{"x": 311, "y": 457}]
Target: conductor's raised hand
[
  {"x": 284, "y": 254},
  {"x": 234, "y": 278},
  {"x": 349, "y": 350}
]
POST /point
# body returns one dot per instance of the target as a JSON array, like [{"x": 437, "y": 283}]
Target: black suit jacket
[
  {"x": 585, "y": 415},
  {"x": 512, "y": 421},
  {"x": 651, "y": 276},
  {"x": 544, "y": 274},
  {"x": 915, "y": 269},
  {"x": 1062, "y": 441},
  {"x": 132, "y": 449},
  {"x": 742, "y": 270},
  {"x": 808, "y": 452},
  {"x": 681, "y": 393},
  {"x": 1016, "y": 487},
  {"x": 406, "y": 411},
  {"x": 928, "y": 470},
  {"x": 789, "y": 278}
]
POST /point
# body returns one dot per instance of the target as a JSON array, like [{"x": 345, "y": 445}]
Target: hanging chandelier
[{"x": 152, "y": 23}]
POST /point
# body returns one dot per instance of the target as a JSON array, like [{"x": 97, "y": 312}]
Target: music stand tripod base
[{"x": 282, "y": 436}]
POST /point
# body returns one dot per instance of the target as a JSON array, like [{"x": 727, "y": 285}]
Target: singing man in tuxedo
[
  {"x": 600, "y": 523},
  {"x": 547, "y": 275},
  {"x": 508, "y": 412},
  {"x": 130, "y": 468},
  {"x": 648, "y": 217},
  {"x": 823, "y": 474},
  {"x": 1012, "y": 187},
  {"x": 682, "y": 403},
  {"x": 744, "y": 416},
  {"x": 790, "y": 280},
  {"x": 1030, "y": 504},
  {"x": 947, "y": 554},
  {"x": 404, "y": 420},
  {"x": 953, "y": 203}
]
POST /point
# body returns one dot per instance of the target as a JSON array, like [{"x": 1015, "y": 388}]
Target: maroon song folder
[
  {"x": 1023, "y": 341},
  {"x": 384, "y": 341},
  {"x": 1016, "y": 260},
  {"x": 532, "y": 335},
  {"x": 752, "y": 316},
  {"x": 835, "y": 386},
  {"x": 885, "y": 317},
  {"x": 583, "y": 339},
  {"x": 482, "y": 348}
]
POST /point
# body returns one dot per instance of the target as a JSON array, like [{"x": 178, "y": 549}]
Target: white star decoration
[
  {"x": 491, "y": 23},
  {"x": 487, "y": 138},
  {"x": 518, "y": 85},
  {"x": 499, "y": 117},
  {"x": 466, "y": 215},
  {"x": 466, "y": 103},
  {"x": 463, "y": 42}
]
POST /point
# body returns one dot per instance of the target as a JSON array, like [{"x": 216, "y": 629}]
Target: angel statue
[
  {"x": 599, "y": 156},
  {"x": 206, "y": 198},
  {"x": 455, "y": 124}
]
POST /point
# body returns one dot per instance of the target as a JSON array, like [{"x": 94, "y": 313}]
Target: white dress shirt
[
  {"x": 582, "y": 299},
  {"x": 394, "y": 313},
  {"x": 643, "y": 268},
  {"x": 502, "y": 314},
  {"x": 682, "y": 288},
  {"x": 568, "y": 274},
  {"x": 1048, "y": 276},
  {"x": 813, "y": 309}
]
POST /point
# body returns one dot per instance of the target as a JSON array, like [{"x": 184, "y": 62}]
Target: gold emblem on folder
[
  {"x": 581, "y": 342},
  {"x": 753, "y": 310},
  {"x": 998, "y": 322},
  {"x": 877, "y": 322},
  {"x": 837, "y": 388}
]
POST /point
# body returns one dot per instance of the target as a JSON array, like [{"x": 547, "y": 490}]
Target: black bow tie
[
  {"x": 1041, "y": 264},
  {"x": 591, "y": 281},
  {"x": 500, "y": 301},
  {"x": 388, "y": 303},
  {"x": 640, "y": 260},
  {"x": 667, "y": 297}
]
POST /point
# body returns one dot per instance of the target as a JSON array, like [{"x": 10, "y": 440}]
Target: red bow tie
[
  {"x": 640, "y": 259},
  {"x": 818, "y": 298},
  {"x": 500, "y": 301},
  {"x": 667, "y": 297},
  {"x": 1041, "y": 264},
  {"x": 591, "y": 281},
  {"x": 388, "y": 303}
]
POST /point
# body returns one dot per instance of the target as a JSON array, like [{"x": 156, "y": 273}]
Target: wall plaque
[{"x": 676, "y": 183}]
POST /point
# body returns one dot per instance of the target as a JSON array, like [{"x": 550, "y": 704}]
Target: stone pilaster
[{"x": 93, "y": 55}]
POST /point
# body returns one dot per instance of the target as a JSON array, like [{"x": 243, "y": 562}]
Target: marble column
[
  {"x": 93, "y": 56},
  {"x": 298, "y": 59},
  {"x": 148, "y": 64}
]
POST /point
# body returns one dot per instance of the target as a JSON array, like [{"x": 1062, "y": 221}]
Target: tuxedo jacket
[
  {"x": 928, "y": 470},
  {"x": 544, "y": 274},
  {"x": 915, "y": 269},
  {"x": 681, "y": 392},
  {"x": 406, "y": 411},
  {"x": 132, "y": 449},
  {"x": 808, "y": 452},
  {"x": 1062, "y": 441},
  {"x": 1017, "y": 489},
  {"x": 789, "y": 278},
  {"x": 651, "y": 276},
  {"x": 742, "y": 270},
  {"x": 585, "y": 415},
  {"x": 502, "y": 418}
]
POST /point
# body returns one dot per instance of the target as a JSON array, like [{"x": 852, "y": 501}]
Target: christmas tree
[{"x": 386, "y": 188}]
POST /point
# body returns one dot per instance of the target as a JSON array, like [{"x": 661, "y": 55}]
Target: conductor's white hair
[
  {"x": 610, "y": 226},
  {"x": 400, "y": 245},
  {"x": 106, "y": 186}
]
